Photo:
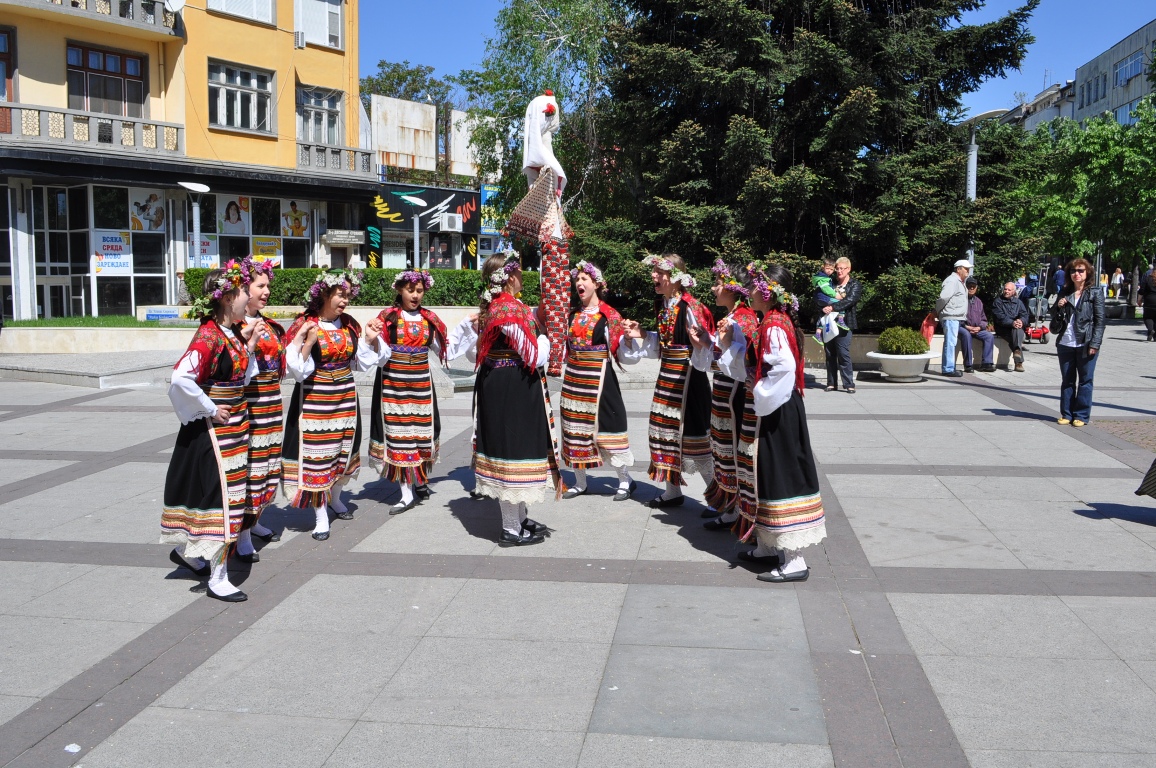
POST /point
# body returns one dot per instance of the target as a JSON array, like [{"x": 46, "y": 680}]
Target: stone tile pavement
[{"x": 985, "y": 597}]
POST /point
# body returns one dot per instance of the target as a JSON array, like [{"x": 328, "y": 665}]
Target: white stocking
[
  {"x": 322, "y": 519},
  {"x": 623, "y": 478},
  {"x": 673, "y": 490},
  {"x": 219, "y": 579},
  {"x": 580, "y": 479},
  {"x": 523, "y": 513},
  {"x": 245, "y": 543},
  {"x": 195, "y": 563},
  {"x": 335, "y": 502},
  {"x": 406, "y": 493},
  {"x": 729, "y": 517},
  {"x": 793, "y": 562},
  {"x": 766, "y": 546},
  {"x": 511, "y": 517},
  {"x": 261, "y": 530}
]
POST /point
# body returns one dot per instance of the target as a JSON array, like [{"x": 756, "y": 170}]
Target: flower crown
[
  {"x": 757, "y": 276},
  {"x": 413, "y": 276},
  {"x": 258, "y": 268},
  {"x": 720, "y": 269},
  {"x": 594, "y": 272},
  {"x": 348, "y": 279},
  {"x": 501, "y": 276},
  {"x": 666, "y": 265},
  {"x": 235, "y": 274}
]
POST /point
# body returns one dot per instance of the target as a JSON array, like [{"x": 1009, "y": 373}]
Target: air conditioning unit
[
  {"x": 299, "y": 39},
  {"x": 451, "y": 222}
]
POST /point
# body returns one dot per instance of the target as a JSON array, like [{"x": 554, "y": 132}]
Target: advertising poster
[
  {"x": 233, "y": 215},
  {"x": 146, "y": 208},
  {"x": 267, "y": 249},
  {"x": 295, "y": 218},
  {"x": 208, "y": 255},
  {"x": 113, "y": 253},
  {"x": 490, "y": 223}
]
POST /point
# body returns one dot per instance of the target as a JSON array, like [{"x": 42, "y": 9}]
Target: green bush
[
  {"x": 452, "y": 287},
  {"x": 902, "y": 341},
  {"x": 903, "y": 295}
]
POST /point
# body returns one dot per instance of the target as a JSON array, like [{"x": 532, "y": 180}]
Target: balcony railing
[
  {"x": 67, "y": 128},
  {"x": 325, "y": 158},
  {"x": 148, "y": 13}
]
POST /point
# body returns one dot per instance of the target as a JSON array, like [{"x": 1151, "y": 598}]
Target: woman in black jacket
[
  {"x": 1078, "y": 324},
  {"x": 1148, "y": 300}
]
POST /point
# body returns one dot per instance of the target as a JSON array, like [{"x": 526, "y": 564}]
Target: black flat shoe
[
  {"x": 660, "y": 503},
  {"x": 534, "y": 527},
  {"x": 236, "y": 597},
  {"x": 777, "y": 578},
  {"x": 423, "y": 492},
  {"x": 180, "y": 562},
  {"x": 573, "y": 493},
  {"x": 400, "y": 507},
  {"x": 508, "y": 539},
  {"x": 253, "y": 558},
  {"x": 709, "y": 512},
  {"x": 624, "y": 495},
  {"x": 272, "y": 537},
  {"x": 718, "y": 524},
  {"x": 751, "y": 557},
  {"x": 346, "y": 515},
  {"x": 320, "y": 536}
]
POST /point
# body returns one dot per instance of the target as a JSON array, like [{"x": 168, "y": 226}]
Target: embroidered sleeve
[
  {"x": 527, "y": 347},
  {"x": 189, "y": 401},
  {"x": 778, "y": 380}
]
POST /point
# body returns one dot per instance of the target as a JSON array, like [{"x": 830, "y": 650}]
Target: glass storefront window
[
  {"x": 296, "y": 253},
  {"x": 266, "y": 216},
  {"x": 57, "y": 208},
  {"x": 110, "y": 207},
  {"x": 148, "y": 254},
  {"x": 114, "y": 295},
  {"x": 78, "y": 208},
  {"x": 150, "y": 290},
  {"x": 78, "y": 252},
  {"x": 233, "y": 248}
]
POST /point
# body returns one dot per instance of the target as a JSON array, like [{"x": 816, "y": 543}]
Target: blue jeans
[
  {"x": 950, "y": 339},
  {"x": 1076, "y": 363},
  {"x": 988, "y": 339}
]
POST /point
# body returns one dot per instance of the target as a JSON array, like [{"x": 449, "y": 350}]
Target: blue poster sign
[{"x": 490, "y": 223}]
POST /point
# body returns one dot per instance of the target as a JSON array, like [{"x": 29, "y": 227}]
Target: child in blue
[{"x": 826, "y": 293}]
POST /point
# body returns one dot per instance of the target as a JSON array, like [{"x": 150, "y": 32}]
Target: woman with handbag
[{"x": 1078, "y": 324}]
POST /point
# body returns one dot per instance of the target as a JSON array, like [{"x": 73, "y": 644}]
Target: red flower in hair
[
  {"x": 549, "y": 92},
  {"x": 550, "y": 109}
]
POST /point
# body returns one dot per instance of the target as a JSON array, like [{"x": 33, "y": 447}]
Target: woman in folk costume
[
  {"x": 206, "y": 487},
  {"x": 405, "y": 427},
  {"x": 515, "y": 458},
  {"x": 727, "y": 396},
  {"x": 679, "y": 429},
  {"x": 593, "y": 413},
  {"x": 265, "y": 412},
  {"x": 324, "y": 346},
  {"x": 778, "y": 484}
]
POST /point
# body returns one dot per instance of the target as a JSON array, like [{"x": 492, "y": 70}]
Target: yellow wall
[
  {"x": 41, "y": 43},
  {"x": 270, "y": 47}
]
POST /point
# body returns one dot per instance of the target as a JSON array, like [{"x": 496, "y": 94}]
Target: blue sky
[{"x": 450, "y": 36}]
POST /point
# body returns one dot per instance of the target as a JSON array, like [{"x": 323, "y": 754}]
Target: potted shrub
[{"x": 903, "y": 354}]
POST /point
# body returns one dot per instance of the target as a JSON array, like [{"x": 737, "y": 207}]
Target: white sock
[
  {"x": 728, "y": 517},
  {"x": 624, "y": 479},
  {"x": 672, "y": 491},
  {"x": 245, "y": 543},
  {"x": 219, "y": 579},
  {"x": 793, "y": 562},
  {"x": 406, "y": 493},
  {"x": 523, "y": 512},
  {"x": 511, "y": 518},
  {"x": 335, "y": 502},
  {"x": 261, "y": 530},
  {"x": 196, "y": 563},
  {"x": 580, "y": 479},
  {"x": 322, "y": 519},
  {"x": 707, "y": 475}
]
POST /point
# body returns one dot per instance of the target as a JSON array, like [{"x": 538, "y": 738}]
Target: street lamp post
[
  {"x": 415, "y": 203},
  {"x": 195, "y": 191},
  {"x": 973, "y": 160}
]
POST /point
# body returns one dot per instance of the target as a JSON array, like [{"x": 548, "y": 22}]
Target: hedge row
[{"x": 452, "y": 287}]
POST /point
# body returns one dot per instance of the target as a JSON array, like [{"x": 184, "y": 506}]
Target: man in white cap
[{"x": 951, "y": 309}]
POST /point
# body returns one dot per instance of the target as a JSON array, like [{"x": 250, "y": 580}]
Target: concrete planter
[{"x": 903, "y": 369}]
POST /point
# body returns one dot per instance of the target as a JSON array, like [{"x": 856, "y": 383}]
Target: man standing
[
  {"x": 951, "y": 309},
  {"x": 975, "y": 327},
  {"x": 1011, "y": 317}
]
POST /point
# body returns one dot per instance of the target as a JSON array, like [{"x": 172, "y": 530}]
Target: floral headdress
[
  {"x": 720, "y": 269},
  {"x": 413, "y": 276},
  {"x": 501, "y": 276},
  {"x": 235, "y": 274},
  {"x": 258, "y": 268},
  {"x": 594, "y": 272},
  {"x": 348, "y": 279},
  {"x": 666, "y": 265},
  {"x": 757, "y": 277}
]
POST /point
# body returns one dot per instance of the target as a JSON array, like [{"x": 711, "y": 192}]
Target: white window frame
[
  {"x": 255, "y": 10},
  {"x": 225, "y": 93},
  {"x": 308, "y": 106},
  {"x": 320, "y": 19},
  {"x": 1129, "y": 67}
]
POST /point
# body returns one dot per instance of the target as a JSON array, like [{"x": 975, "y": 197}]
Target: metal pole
[
  {"x": 416, "y": 239},
  {"x": 972, "y": 168},
  {"x": 196, "y": 229}
]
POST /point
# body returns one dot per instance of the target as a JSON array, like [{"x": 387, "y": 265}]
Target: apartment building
[
  {"x": 106, "y": 106},
  {"x": 1116, "y": 80}
]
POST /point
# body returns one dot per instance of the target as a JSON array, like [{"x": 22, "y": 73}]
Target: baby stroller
[{"x": 1037, "y": 304}]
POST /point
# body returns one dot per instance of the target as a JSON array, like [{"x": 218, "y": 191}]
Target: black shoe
[
  {"x": 252, "y": 558},
  {"x": 508, "y": 539},
  {"x": 718, "y": 524},
  {"x": 573, "y": 493},
  {"x": 180, "y": 562},
  {"x": 400, "y": 507},
  {"x": 320, "y": 536},
  {"x": 273, "y": 536},
  {"x": 346, "y": 515},
  {"x": 709, "y": 513},
  {"x": 968, "y": 369},
  {"x": 476, "y": 496},
  {"x": 751, "y": 557},
  {"x": 954, "y": 374},
  {"x": 624, "y": 495},
  {"x": 236, "y": 597},
  {"x": 534, "y": 527},
  {"x": 422, "y": 492},
  {"x": 660, "y": 503},
  {"x": 987, "y": 368},
  {"x": 778, "y": 578}
]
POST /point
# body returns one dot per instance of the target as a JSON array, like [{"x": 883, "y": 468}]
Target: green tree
[{"x": 412, "y": 82}]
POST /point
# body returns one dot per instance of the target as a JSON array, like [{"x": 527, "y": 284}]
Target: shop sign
[
  {"x": 267, "y": 249},
  {"x": 233, "y": 215},
  {"x": 344, "y": 237},
  {"x": 295, "y": 218},
  {"x": 208, "y": 255},
  {"x": 490, "y": 223},
  {"x": 146, "y": 208},
  {"x": 159, "y": 313},
  {"x": 113, "y": 253},
  {"x": 395, "y": 205}
]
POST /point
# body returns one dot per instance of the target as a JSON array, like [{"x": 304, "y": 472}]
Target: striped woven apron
[
  {"x": 406, "y": 398},
  {"x": 329, "y": 416},
  {"x": 265, "y": 435},
  {"x": 581, "y": 388},
  {"x": 722, "y": 493},
  {"x": 665, "y": 428}
]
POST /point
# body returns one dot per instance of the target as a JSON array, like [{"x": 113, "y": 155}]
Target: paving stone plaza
[{"x": 985, "y": 597}]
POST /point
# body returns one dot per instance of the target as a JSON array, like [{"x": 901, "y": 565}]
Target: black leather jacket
[
  {"x": 1089, "y": 318},
  {"x": 847, "y": 305}
]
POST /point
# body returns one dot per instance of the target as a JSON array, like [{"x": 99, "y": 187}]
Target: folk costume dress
[
  {"x": 322, "y": 448},
  {"x": 726, "y": 410},
  {"x": 515, "y": 459},
  {"x": 778, "y": 484},
  {"x": 266, "y": 417},
  {"x": 405, "y": 426},
  {"x": 593, "y": 413},
  {"x": 206, "y": 488},
  {"x": 679, "y": 430}
]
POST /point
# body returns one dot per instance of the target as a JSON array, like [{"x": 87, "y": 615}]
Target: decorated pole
[{"x": 538, "y": 217}]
